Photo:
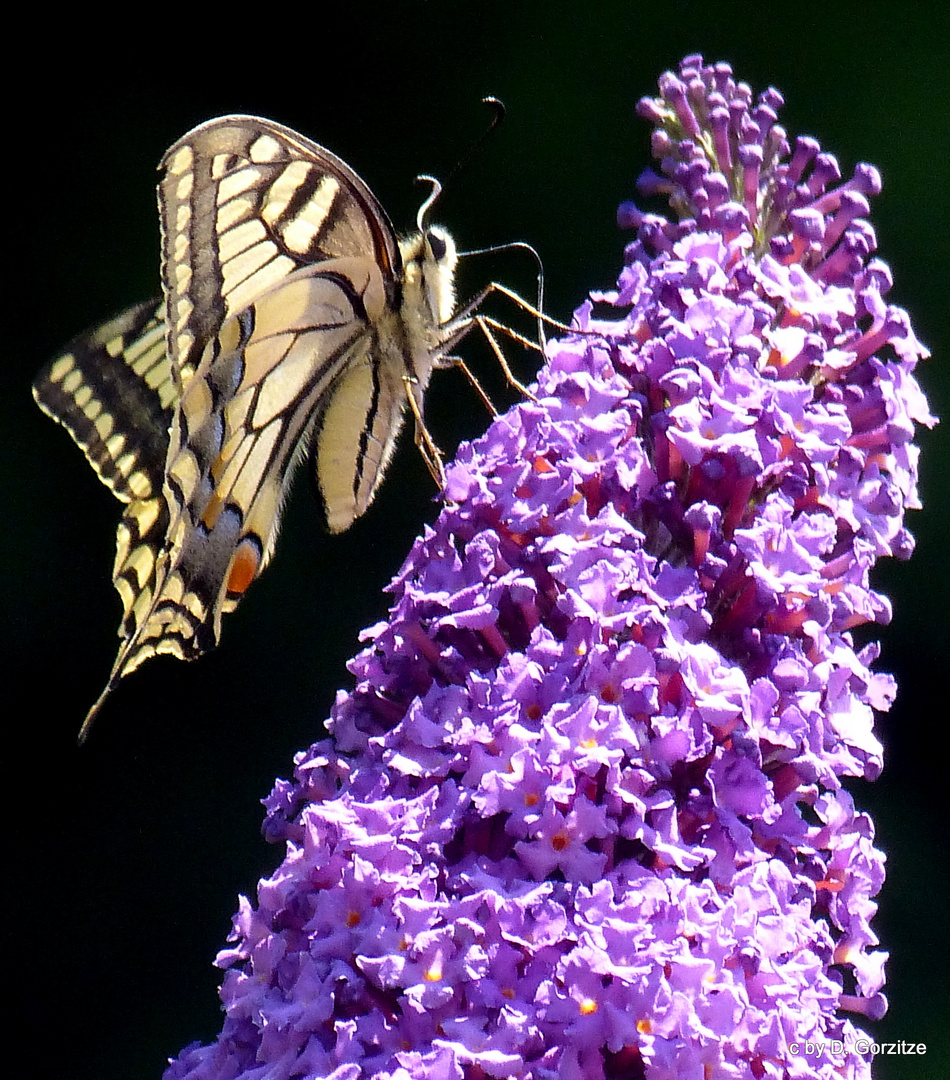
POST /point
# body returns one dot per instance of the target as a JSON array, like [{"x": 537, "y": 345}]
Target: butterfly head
[{"x": 429, "y": 259}]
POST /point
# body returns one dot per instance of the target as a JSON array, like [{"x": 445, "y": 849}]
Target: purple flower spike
[{"x": 582, "y": 814}]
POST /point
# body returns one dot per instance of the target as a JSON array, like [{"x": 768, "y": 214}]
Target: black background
[{"x": 127, "y": 855}]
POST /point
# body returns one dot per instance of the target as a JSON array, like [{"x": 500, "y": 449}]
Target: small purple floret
[{"x": 582, "y": 814}]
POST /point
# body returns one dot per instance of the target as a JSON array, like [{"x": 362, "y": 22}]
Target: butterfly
[{"x": 293, "y": 323}]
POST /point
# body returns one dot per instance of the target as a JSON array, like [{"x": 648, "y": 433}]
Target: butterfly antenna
[
  {"x": 427, "y": 205},
  {"x": 498, "y": 108}
]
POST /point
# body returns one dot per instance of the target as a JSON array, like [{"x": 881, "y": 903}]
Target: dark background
[{"x": 127, "y": 855}]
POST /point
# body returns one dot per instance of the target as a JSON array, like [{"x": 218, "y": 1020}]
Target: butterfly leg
[
  {"x": 431, "y": 454},
  {"x": 487, "y": 325},
  {"x": 461, "y": 326},
  {"x": 458, "y": 362},
  {"x": 467, "y": 313},
  {"x": 469, "y": 316}
]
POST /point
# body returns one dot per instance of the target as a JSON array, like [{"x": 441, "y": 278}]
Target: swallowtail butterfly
[{"x": 293, "y": 321}]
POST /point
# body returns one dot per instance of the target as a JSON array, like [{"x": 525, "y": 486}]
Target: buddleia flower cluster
[{"x": 582, "y": 815}]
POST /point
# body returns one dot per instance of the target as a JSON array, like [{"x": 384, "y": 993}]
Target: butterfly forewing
[
  {"x": 292, "y": 316},
  {"x": 244, "y": 202}
]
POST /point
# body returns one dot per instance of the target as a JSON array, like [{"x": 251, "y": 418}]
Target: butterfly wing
[
  {"x": 245, "y": 202},
  {"x": 113, "y": 391},
  {"x": 259, "y": 388},
  {"x": 277, "y": 261}
]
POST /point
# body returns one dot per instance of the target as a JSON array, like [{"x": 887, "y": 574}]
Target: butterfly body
[{"x": 293, "y": 322}]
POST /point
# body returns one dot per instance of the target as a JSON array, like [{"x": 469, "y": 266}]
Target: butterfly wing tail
[{"x": 160, "y": 614}]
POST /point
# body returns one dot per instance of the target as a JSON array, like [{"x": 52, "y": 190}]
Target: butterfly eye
[{"x": 436, "y": 243}]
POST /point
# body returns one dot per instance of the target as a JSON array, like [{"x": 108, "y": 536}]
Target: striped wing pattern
[
  {"x": 113, "y": 392},
  {"x": 292, "y": 319},
  {"x": 244, "y": 202}
]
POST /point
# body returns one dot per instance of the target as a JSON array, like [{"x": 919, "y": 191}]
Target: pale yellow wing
[
  {"x": 245, "y": 202},
  {"x": 113, "y": 391}
]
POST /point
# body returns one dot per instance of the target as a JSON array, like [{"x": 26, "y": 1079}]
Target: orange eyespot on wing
[{"x": 244, "y": 567}]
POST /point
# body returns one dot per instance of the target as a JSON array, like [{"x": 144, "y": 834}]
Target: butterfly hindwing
[
  {"x": 243, "y": 417},
  {"x": 113, "y": 392}
]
